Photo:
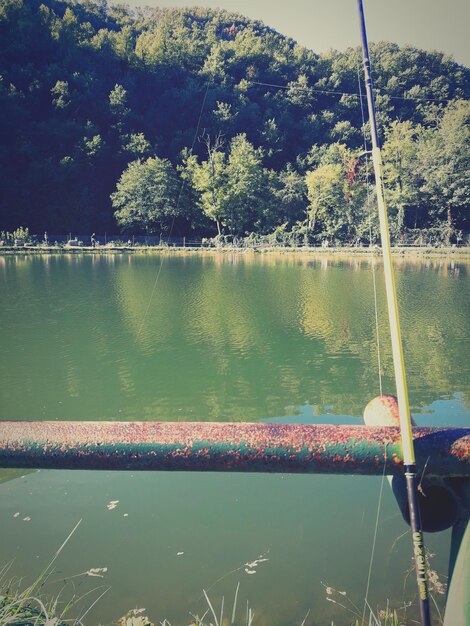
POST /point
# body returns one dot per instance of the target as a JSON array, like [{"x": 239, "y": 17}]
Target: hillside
[{"x": 87, "y": 88}]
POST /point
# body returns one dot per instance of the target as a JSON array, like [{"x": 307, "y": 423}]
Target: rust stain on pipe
[{"x": 216, "y": 446}]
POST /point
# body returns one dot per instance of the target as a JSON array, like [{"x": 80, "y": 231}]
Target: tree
[
  {"x": 401, "y": 173},
  {"x": 136, "y": 145},
  {"x": 88, "y": 86},
  {"x": 60, "y": 94},
  {"x": 444, "y": 154},
  {"x": 325, "y": 190},
  {"x": 118, "y": 102},
  {"x": 233, "y": 189},
  {"x": 292, "y": 195},
  {"x": 247, "y": 185},
  {"x": 337, "y": 193},
  {"x": 147, "y": 195},
  {"x": 209, "y": 180}
]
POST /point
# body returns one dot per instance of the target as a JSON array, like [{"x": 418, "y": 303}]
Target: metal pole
[
  {"x": 397, "y": 348},
  {"x": 230, "y": 447}
]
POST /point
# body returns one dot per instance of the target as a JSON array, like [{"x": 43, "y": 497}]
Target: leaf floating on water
[
  {"x": 435, "y": 585},
  {"x": 179, "y": 553},
  {"x": 331, "y": 590},
  {"x": 97, "y": 571},
  {"x": 256, "y": 563},
  {"x": 16, "y": 514},
  {"x": 26, "y": 519},
  {"x": 134, "y": 618},
  {"x": 112, "y": 504},
  {"x": 250, "y": 567}
]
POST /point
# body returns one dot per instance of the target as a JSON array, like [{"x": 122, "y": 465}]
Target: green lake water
[{"x": 220, "y": 338}]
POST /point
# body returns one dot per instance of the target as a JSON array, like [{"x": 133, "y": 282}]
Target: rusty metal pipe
[{"x": 241, "y": 447}]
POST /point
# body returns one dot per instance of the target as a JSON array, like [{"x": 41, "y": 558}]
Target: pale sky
[{"x": 442, "y": 25}]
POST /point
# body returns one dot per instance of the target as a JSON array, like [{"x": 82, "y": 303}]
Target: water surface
[{"x": 220, "y": 338}]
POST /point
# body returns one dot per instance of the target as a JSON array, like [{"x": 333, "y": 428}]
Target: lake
[{"x": 221, "y": 337}]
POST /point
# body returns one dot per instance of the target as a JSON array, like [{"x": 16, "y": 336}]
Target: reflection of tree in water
[
  {"x": 253, "y": 335},
  {"x": 436, "y": 300},
  {"x": 434, "y": 324},
  {"x": 223, "y": 336},
  {"x": 146, "y": 296}
]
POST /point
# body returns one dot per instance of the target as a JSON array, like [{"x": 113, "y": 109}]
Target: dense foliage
[{"x": 206, "y": 121}]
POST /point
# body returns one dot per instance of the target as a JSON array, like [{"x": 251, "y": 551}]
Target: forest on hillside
[{"x": 203, "y": 122}]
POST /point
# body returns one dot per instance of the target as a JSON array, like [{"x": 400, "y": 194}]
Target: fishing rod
[{"x": 397, "y": 347}]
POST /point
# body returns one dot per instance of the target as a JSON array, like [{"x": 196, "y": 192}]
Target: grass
[
  {"x": 213, "y": 617},
  {"x": 369, "y": 617},
  {"x": 27, "y": 607}
]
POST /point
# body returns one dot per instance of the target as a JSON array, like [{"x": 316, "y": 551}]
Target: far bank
[{"x": 457, "y": 253}]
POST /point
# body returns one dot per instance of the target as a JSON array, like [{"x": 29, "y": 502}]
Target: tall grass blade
[
  {"x": 372, "y": 616},
  {"x": 79, "y": 620},
  {"x": 235, "y": 605},
  {"x": 222, "y": 612},
  {"x": 211, "y": 608},
  {"x": 46, "y": 571}
]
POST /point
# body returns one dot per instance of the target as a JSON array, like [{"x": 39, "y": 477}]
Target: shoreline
[{"x": 402, "y": 251}]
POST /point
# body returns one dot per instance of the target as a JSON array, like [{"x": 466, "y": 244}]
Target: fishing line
[
  {"x": 379, "y": 360},
  {"x": 374, "y": 540},
  {"x": 180, "y": 195},
  {"x": 369, "y": 204}
]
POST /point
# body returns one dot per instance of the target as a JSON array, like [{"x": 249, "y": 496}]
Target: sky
[{"x": 442, "y": 25}]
